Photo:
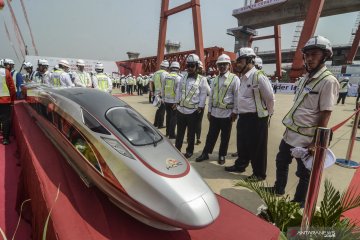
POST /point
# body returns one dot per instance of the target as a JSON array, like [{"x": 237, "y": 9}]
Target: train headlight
[{"x": 118, "y": 147}]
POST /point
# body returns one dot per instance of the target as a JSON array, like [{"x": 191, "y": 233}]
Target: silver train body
[{"x": 113, "y": 147}]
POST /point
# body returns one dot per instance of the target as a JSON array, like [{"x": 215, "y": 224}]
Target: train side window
[
  {"x": 93, "y": 124},
  {"x": 84, "y": 148}
]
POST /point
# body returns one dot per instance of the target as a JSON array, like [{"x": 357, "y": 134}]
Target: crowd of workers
[{"x": 246, "y": 95}]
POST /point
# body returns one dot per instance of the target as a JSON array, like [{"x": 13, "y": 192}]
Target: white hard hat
[
  {"x": 346, "y": 78},
  {"x": 318, "y": 42},
  {"x": 193, "y": 58},
  {"x": 65, "y": 63},
  {"x": 164, "y": 64},
  {"x": 56, "y": 67},
  {"x": 175, "y": 65},
  {"x": 27, "y": 65},
  {"x": 258, "y": 61},
  {"x": 245, "y": 52},
  {"x": 8, "y": 61},
  {"x": 80, "y": 62},
  {"x": 43, "y": 62},
  {"x": 99, "y": 65},
  {"x": 223, "y": 58},
  {"x": 330, "y": 159},
  {"x": 201, "y": 65}
]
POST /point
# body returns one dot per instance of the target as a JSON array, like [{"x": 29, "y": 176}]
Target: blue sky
[{"x": 107, "y": 29}]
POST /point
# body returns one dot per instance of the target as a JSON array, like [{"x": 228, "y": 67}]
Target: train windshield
[{"x": 132, "y": 126}]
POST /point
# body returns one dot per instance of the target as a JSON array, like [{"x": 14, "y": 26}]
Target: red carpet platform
[
  {"x": 354, "y": 214},
  {"x": 86, "y": 213},
  {"x": 9, "y": 178}
]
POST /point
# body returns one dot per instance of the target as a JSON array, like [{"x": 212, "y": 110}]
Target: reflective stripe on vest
[
  {"x": 4, "y": 91},
  {"x": 170, "y": 85},
  {"x": 186, "y": 98},
  {"x": 260, "y": 108},
  {"x": 219, "y": 94},
  {"x": 83, "y": 78},
  {"x": 157, "y": 79},
  {"x": 343, "y": 87},
  {"x": 103, "y": 83},
  {"x": 288, "y": 120},
  {"x": 55, "y": 78}
]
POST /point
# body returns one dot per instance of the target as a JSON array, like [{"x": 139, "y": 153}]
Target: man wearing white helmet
[
  {"x": 7, "y": 98},
  {"x": 28, "y": 77},
  {"x": 42, "y": 74},
  {"x": 221, "y": 109},
  {"x": 258, "y": 63},
  {"x": 190, "y": 96},
  {"x": 168, "y": 94},
  {"x": 17, "y": 76},
  {"x": 313, "y": 104},
  {"x": 139, "y": 81},
  {"x": 344, "y": 88},
  {"x": 130, "y": 82},
  {"x": 100, "y": 80},
  {"x": 81, "y": 78},
  {"x": 254, "y": 103},
  {"x": 155, "y": 90},
  {"x": 60, "y": 77}
]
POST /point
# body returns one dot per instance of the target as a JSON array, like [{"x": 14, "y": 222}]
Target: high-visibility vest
[
  {"x": 103, "y": 83},
  {"x": 83, "y": 78},
  {"x": 157, "y": 79},
  {"x": 170, "y": 85},
  {"x": 55, "y": 78},
  {"x": 219, "y": 93},
  {"x": 186, "y": 98},
  {"x": 4, "y": 91},
  {"x": 260, "y": 108},
  {"x": 288, "y": 120},
  {"x": 343, "y": 87}
]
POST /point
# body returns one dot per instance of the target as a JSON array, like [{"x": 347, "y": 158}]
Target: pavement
[{"x": 222, "y": 182}]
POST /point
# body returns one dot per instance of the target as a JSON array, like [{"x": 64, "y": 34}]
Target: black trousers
[
  {"x": 129, "y": 89},
  {"x": 216, "y": 125},
  {"x": 252, "y": 136},
  {"x": 186, "y": 121},
  {"x": 5, "y": 117},
  {"x": 139, "y": 89},
  {"x": 283, "y": 160},
  {"x": 159, "y": 116},
  {"x": 342, "y": 97},
  {"x": 170, "y": 120},
  {"x": 198, "y": 125}
]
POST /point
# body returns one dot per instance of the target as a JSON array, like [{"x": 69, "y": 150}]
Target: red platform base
[{"x": 86, "y": 213}]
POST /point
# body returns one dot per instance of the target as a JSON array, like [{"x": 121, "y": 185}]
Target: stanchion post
[
  {"x": 322, "y": 139},
  {"x": 348, "y": 163}
]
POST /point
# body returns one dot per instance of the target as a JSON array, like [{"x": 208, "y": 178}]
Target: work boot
[
  {"x": 254, "y": 178},
  {"x": 273, "y": 190},
  {"x": 202, "y": 157},
  {"x": 198, "y": 142},
  {"x": 221, "y": 160},
  {"x": 188, "y": 155},
  {"x": 234, "y": 169}
]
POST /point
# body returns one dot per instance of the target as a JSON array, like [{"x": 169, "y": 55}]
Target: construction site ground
[{"x": 222, "y": 182}]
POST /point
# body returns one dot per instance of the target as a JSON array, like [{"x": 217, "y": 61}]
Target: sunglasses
[{"x": 190, "y": 65}]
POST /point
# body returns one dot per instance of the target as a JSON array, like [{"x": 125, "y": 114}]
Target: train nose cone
[{"x": 199, "y": 212}]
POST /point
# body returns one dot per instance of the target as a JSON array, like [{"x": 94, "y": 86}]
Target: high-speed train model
[{"x": 113, "y": 147}]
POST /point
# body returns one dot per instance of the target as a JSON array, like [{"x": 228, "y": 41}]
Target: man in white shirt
[
  {"x": 81, "y": 78},
  {"x": 254, "y": 104},
  {"x": 155, "y": 90},
  {"x": 42, "y": 75},
  {"x": 221, "y": 109},
  {"x": 190, "y": 96},
  {"x": 344, "y": 87},
  {"x": 313, "y": 104},
  {"x": 61, "y": 77},
  {"x": 100, "y": 80},
  {"x": 168, "y": 95}
]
